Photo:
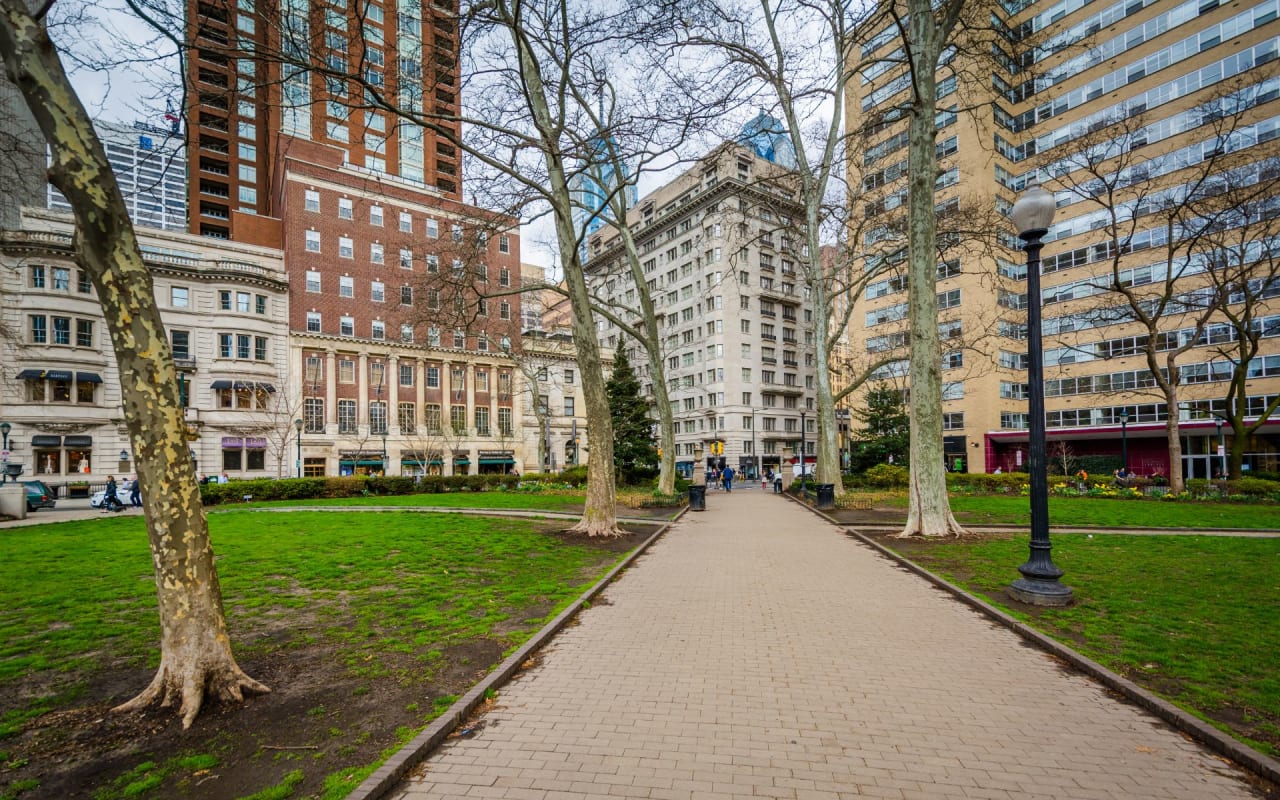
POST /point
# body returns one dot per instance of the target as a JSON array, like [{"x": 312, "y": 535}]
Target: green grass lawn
[
  {"x": 984, "y": 509},
  {"x": 545, "y": 501},
  {"x": 388, "y": 594},
  {"x": 1193, "y": 618}
]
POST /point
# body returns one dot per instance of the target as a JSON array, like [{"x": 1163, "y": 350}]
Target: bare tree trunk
[
  {"x": 1173, "y": 438},
  {"x": 195, "y": 649},
  {"x": 599, "y": 515},
  {"x": 930, "y": 510}
]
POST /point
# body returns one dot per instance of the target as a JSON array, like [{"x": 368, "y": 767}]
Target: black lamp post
[
  {"x": 803, "y": 449},
  {"x": 297, "y": 426},
  {"x": 4, "y": 469},
  {"x": 1124, "y": 439},
  {"x": 1031, "y": 216}
]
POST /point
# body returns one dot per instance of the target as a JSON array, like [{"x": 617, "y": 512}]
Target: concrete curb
[
  {"x": 386, "y": 777},
  {"x": 1204, "y": 733}
]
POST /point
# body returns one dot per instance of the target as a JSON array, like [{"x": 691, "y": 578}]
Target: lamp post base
[{"x": 1041, "y": 592}]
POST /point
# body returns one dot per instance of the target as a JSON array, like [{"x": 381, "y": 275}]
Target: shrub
[
  {"x": 886, "y": 476},
  {"x": 1253, "y": 487},
  {"x": 392, "y": 484},
  {"x": 574, "y": 476},
  {"x": 983, "y": 483}
]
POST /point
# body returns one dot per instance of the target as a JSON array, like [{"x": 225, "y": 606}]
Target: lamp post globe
[{"x": 1032, "y": 215}]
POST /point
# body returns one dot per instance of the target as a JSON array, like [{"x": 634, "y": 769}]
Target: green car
[{"x": 38, "y": 495}]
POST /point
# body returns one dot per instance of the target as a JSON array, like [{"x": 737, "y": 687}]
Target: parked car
[
  {"x": 38, "y": 495},
  {"x": 96, "y": 500}
]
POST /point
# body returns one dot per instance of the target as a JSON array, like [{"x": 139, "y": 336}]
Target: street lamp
[
  {"x": 1124, "y": 439},
  {"x": 802, "y": 446},
  {"x": 297, "y": 426},
  {"x": 1222, "y": 451},
  {"x": 1032, "y": 215},
  {"x": 4, "y": 451}
]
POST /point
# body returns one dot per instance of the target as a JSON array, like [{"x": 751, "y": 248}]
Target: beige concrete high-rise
[
  {"x": 1133, "y": 79},
  {"x": 719, "y": 245}
]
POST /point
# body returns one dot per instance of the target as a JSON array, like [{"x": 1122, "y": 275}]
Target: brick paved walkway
[{"x": 754, "y": 651}]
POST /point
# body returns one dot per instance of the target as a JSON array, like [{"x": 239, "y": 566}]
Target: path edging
[
  {"x": 416, "y": 750},
  {"x": 1204, "y": 733}
]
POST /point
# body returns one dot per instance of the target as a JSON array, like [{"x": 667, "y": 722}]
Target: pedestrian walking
[
  {"x": 777, "y": 482},
  {"x": 728, "y": 479},
  {"x": 110, "y": 497},
  {"x": 764, "y": 479},
  {"x": 135, "y": 493}
]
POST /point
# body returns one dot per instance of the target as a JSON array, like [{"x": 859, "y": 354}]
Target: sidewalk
[{"x": 755, "y": 651}]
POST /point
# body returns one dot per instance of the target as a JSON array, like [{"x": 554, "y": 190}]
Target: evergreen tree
[
  {"x": 886, "y": 429},
  {"x": 633, "y": 446}
]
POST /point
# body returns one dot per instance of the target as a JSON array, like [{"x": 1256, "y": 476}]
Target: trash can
[
  {"x": 826, "y": 496},
  {"x": 697, "y": 498}
]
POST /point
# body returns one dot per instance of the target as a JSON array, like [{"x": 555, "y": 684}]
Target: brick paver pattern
[{"x": 756, "y": 651}]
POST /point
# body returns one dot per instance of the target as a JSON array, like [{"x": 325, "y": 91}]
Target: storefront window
[
  {"x": 79, "y": 461},
  {"x": 61, "y": 391},
  {"x": 313, "y": 467},
  {"x": 49, "y": 462},
  {"x": 231, "y": 460},
  {"x": 257, "y": 459},
  {"x": 84, "y": 393}
]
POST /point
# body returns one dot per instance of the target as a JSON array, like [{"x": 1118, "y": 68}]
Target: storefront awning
[
  {"x": 364, "y": 462},
  {"x": 46, "y": 374},
  {"x": 415, "y": 462},
  {"x": 78, "y": 441},
  {"x": 461, "y": 460},
  {"x": 507, "y": 460},
  {"x": 88, "y": 377},
  {"x": 242, "y": 385},
  {"x": 45, "y": 440}
]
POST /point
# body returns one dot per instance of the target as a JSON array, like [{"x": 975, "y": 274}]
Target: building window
[
  {"x": 313, "y": 322},
  {"x": 180, "y": 342},
  {"x": 37, "y": 277},
  {"x": 346, "y": 286},
  {"x": 84, "y": 333},
  {"x": 39, "y": 330},
  {"x": 375, "y": 215},
  {"x": 458, "y": 419},
  {"x": 406, "y": 259},
  {"x": 953, "y": 421},
  {"x": 482, "y": 380},
  {"x": 260, "y": 304},
  {"x": 376, "y": 253},
  {"x": 433, "y": 337},
  {"x": 482, "y": 422},
  {"x": 346, "y": 248},
  {"x": 313, "y": 241},
  {"x": 62, "y": 279},
  {"x": 243, "y": 343},
  {"x": 377, "y": 291},
  {"x": 377, "y": 417},
  {"x": 459, "y": 339},
  {"x": 346, "y": 371},
  {"x": 504, "y": 244},
  {"x": 347, "y": 326},
  {"x": 431, "y": 417},
  {"x": 311, "y": 200},
  {"x": 260, "y": 348},
  {"x": 568, "y": 406},
  {"x": 408, "y": 418},
  {"x": 345, "y": 208},
  {"x": 433, "y": 377},
  {"x": 313, "y": 281},
  {"x": 346, "y": 416},
  {"x": 568, "y": 377},
  {"x": 406, "y": 222},
  {"x": 504, "y": 276},
  {"x": 379, "y": 329},
  {"x": 83, "y": 284},
  {"x": 313, "y": 415},
  {"x": 455, "y": 231},
  {"x": 179, "y": 297},
  {"x": 406, "y": 374},
  {"x": 406, "y": 295},
  {"x": 504, "y": 422},
  {"x": 224, "y": 301},
  {"x": 242, "y": 302},
  {"x": 62, "y": 330},
  {"x": 433, "y": 229},
  {"x": 406, "y": 332}
]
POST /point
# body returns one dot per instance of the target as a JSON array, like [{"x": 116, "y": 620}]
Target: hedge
[{"x": 260, "y": 489}]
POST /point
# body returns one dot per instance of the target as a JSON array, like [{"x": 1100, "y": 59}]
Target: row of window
[
  {"x": 431, "y": 422},
  {"x": 61, "y": 331},
  {"x": 314, "y": 375},
  {"x": 39, "y": 390},
  {"x": 235, "y": 345},
  {"x": 377, "y": 216},
  {"x": 378, "y": 332},
  {"x": 58, "y": 279}
]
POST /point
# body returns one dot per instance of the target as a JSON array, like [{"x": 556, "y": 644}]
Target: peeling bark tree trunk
[
  {"x": 930, "y": 509},
  {"x": 599, "y": 514},
  {"x": 1173, "y": 438},
  {"x": 195, "y": 650}
]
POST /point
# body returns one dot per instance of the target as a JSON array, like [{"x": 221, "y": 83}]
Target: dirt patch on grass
[{"x": 336, "y": 705}]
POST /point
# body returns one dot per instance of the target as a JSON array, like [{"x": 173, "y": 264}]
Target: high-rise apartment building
[
  {"x": 246, "y": 112},
  {"x": 150, "y": 165},
  {"x": 1134, "y": 93},
  {"x": 399, "y": 363},
  {"x": 719, "y": 246}
]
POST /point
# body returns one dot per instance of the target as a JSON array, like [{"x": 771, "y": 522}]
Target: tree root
[
  {"x": 598, "y": 529},
  {"x": 191, "y": 685}
]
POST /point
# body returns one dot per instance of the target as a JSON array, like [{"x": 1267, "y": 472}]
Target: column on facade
[
  {"x": 393, "y": 395},
  {"x": 446, "y": 402},
  {"x": 362, "y": 393},
  {"x": 471, "y": 413},
  {"x": 420, "y": 390},
  {"x": 331, "y": 392},
  {"x": 493, "y": 400}
]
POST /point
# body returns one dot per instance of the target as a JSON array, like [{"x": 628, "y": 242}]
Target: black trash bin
[
  {"x": 826, "y": 496},
  {"x": 697, "y": 498}
]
